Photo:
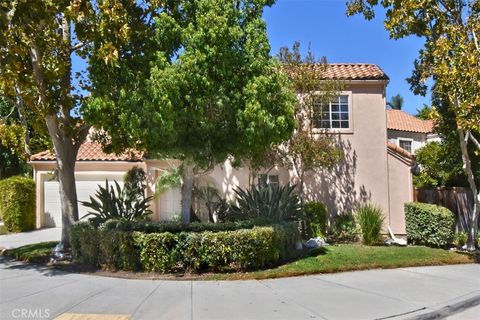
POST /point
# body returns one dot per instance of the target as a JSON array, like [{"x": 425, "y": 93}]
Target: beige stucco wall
[
  {"x": 362, "y": 177},
  {"x": 401, "y": 190}
]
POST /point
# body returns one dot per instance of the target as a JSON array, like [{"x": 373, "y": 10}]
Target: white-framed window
[
  {"x": 332, "y": 115},
  {"x": 268, "y": 180},
  {"x": 405, "y": 144}
]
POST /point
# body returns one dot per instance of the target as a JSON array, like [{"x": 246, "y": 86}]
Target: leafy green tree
[
  {"x": 308, "y": 149},
  {"x": 451, "y": 57},
  {"x": 217, "y": 94},
  {"x": 39, "y": 40},
  {"x": 396, "y": 102}
]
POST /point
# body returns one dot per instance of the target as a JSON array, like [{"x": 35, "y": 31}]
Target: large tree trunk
[
  {"x": 66, "y": 150},
  {"x": 68, "y": 195},
  {"x": 188, "y": 175},
  {"x": 467, "y": 166}
]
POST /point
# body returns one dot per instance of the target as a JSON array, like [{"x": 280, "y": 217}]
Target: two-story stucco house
[
  {"x": 373, "y": 170},
  {"x": 409, "y": 132}
]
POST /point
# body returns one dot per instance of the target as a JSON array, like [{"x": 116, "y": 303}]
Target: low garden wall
[{"x": 179, "y": 249}]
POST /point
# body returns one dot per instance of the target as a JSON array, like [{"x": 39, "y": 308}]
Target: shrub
[
  {"x": 112, "y": 249},
  {"x": 429, "y": 224},
  {"x": 177, "y": 226},
  {"x": 276, "y": 203},
  {"x": 344, "y": 229},
  {"x": 242, "y": 249},
  {"x": 316, "y": 217},
  {"x": 460, "y": 239},
  {"x": 370, "y": 218},
  {"x": 17, "y": 204}
]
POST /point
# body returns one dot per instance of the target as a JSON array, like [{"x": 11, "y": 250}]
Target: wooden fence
[{"x": 457, "y": 199}]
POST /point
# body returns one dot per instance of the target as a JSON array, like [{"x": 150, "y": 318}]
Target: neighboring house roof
[
  {"x": 402, "y": 121},
  {"x": 392, "y": 146},
  {"x": 91, "y": 151}
]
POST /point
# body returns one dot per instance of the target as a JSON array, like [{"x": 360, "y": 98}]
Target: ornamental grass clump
[{"x": 370, "y": 218}]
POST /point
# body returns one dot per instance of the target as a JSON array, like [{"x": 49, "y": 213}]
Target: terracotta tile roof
[
  {"x": 402, "y": 121},
  {"x": 91, "y": 151},
  {"x": 345, "y": 71},
  {"x": 392, "y": 146},
  {"x": 354, "y": 71}
]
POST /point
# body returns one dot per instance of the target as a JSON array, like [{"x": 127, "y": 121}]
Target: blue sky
[{"x": 324, "y": 24}]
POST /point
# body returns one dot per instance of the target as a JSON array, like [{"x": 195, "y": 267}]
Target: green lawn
[
  {"x": 38, "y": 252},
  {"x": 340, "y": 258}
]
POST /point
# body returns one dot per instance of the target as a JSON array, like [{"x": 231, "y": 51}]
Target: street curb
[{"x": 449, "y": 310}]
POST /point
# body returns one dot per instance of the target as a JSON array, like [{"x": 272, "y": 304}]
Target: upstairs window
[
  {"x": 334, "y": 115},
  {"x": 405, "y": 144}
]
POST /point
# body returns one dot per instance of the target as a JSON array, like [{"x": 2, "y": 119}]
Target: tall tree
[
  {"x": 451, "y": 57},
  {"x": 218, "y": 94},
  {"x": 309, "y": 148},
  {"x": 396, "y": 102},
  {"x": 38, "y": 41}
]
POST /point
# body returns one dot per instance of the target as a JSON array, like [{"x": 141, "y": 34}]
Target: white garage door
[{"x": 86, "y": 187}]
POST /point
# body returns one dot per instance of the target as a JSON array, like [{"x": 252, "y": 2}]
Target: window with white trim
[
  {"x": 405, "y": 144},
  {"x": 334, "y": 115},
  {"x": 268, "y": 180}
]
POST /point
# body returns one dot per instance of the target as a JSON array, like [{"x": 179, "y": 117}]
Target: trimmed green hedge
[
  {"x": 429, "y": 224},
  {"x": 17, "y": 204},
  {"x": 177, "y": 227},
  {"x": 243, "y": 249}
]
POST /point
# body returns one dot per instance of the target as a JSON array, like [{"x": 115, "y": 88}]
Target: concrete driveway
[
  {"x": 376, "y": 294},
  {"x": 15, "y": 240}
]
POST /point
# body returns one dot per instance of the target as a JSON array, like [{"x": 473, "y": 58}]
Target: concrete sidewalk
[
  {"x": 15, "y": 240},
  {"x": 376, "y": 294}
]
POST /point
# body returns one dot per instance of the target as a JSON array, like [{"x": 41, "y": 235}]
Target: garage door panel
[{"x": 86, "y": 187}]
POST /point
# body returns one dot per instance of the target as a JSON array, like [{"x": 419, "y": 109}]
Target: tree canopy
[
  {"x": 210, "y": 91},
  {"x": 40, "y": 39}
]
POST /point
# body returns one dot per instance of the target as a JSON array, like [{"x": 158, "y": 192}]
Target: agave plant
[
  {"x": 115, "y": 202},
  {"x": 270, "y": 202}
]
